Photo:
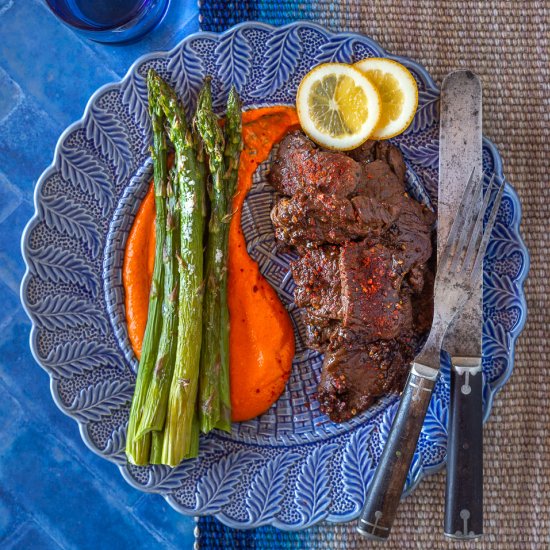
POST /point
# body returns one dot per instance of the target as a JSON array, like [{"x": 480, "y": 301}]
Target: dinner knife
[{"x": 460, "y": 151}]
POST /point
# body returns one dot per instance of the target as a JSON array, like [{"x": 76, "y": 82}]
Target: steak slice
[
  {"x": 300, "y": 166},
  {"x": 411, "y": 234},
  {"x": 319, "y": 330},
  {"x": 317, "y": 278},
  {"x": 353, "y": 377},
  {"x": 382, "y": 184},
  {"x": 316, "y": 219},
  {"x": 391, "y": 155},
  {"x": 383, "y": 151},
  {"x": 371, "y": 299},
  {"x": 423, "y": 304},
  {"x": 320, "y": 219}
]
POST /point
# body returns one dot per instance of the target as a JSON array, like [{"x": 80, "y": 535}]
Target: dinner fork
[{"x": 459, "y": 267}]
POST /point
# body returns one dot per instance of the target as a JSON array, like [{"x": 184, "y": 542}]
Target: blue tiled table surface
[{"x": 54, "y": 492}]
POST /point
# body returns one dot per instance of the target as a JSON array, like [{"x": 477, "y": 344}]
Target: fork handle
[
  {"x": 389, "y": 479},
  {"x": 464, "y": 492}
]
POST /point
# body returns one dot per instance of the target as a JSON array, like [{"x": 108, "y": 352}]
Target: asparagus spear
[
  {"x": 155, "y": 456},
  {"x": 193, "y": 450},
  {"x": 232, "y": 153},
  {"x": 180, "y": 436},
  {"x": 210, "y": 369},
  {"x": 154, "y": 411},
  {"x": 137, "y": 450}
]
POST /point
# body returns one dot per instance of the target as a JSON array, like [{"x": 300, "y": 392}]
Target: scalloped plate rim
[{"x": 494, "y": 386}]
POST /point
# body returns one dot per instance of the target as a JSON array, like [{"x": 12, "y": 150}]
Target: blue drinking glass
[{"x": 110, "y": 20}]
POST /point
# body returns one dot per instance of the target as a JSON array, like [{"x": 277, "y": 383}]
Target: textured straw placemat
[{"x": 507, "y": 45}]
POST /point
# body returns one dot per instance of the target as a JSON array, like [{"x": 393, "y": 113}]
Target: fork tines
[{"x": 468, "y": 238}]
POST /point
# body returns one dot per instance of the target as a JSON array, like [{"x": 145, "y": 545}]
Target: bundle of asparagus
[
  {"x": 185, "y": 350},
  {"x": 223, "y": 156}
]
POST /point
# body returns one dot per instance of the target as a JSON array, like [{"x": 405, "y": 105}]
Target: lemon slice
[
  {"x": 337, "y": 106},
  {"x": 398, "y": 93}
]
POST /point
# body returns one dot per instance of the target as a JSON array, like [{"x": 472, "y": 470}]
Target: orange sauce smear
[
  {"x": 137, "y": 270},
  {"x": 261, "y": 339}
]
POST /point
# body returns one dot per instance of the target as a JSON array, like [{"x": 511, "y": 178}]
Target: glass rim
[{"x": 81, "y": 26}]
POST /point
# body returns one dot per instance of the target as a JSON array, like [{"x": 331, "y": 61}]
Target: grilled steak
[
  {"x": 301, "y": 166},
  {"x": 363, "y": 277},
  {"x": 319, "y": 217},
  {"x": 371, "y": 299},
  {"x": 411, "y": 233},
  {"x": 353, "y": 377},
  {"x": 381, "y": 150},
  {"x": 317, "y": 279},
  {"x": 319, "y": 330}
]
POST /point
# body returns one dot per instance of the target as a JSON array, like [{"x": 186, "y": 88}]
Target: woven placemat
[{"x": 507, "y": 45}]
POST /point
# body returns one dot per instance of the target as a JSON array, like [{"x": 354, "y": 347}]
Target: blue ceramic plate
[{"x": 291, "y": 467}]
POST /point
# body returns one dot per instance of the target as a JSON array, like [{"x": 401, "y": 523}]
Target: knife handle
[
  {"x": 389, "y": 479},
  {"x": 464, "y": 491}
]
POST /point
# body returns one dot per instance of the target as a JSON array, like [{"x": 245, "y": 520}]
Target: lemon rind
[
  {"x": 325, "y": 140},
  {"x": 406, "y": 80}
]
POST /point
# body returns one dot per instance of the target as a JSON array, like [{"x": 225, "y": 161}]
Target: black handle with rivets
[
  {"x": 389, "y": 479},
  {"x": 464, "y": 493}
]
